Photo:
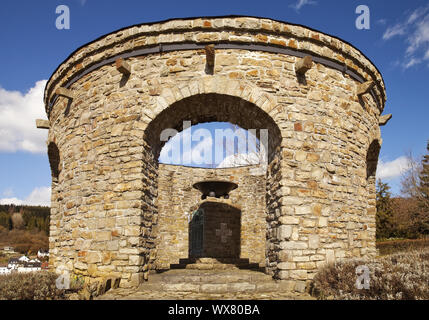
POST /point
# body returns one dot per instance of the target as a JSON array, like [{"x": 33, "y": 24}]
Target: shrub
[
  {"x": 402, "y": 276},
  {"x": 30, "y": 286},
  {"x": 77, "y": 283}
]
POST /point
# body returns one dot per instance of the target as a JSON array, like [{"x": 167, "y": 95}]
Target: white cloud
[
  {"x": 396, "y": 30},
  {"x": 412, "y": 62},
  {"x": 414, "y": 30},
  {"x": 420, "y": 37},
  {"x": 38, "y": 197},
  {"x": 241, "y": 159},
  {"x": 382, "y": 21},
  {"x": 18, "y": 114},
  {"x": 418, "y": 13},
  {"x": 297, "y": 6},
  {"x": 253, "y": 156},
  {"x": 393, "y": 169},
  {"x": 14, "y": 201}
]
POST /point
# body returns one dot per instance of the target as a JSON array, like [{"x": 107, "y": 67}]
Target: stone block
[
  {"x": 303, "y": 65},
  {"x": 303, "y": 210},
  {"x": 42, "y": 124},
  {"x": 313, "y": 241},
  {"x": 298, "y": 274},
  {"x": 288, "y": 220},
  {"x": 286, "y": 266},
  {"x": 284, "y": 232},
  {"x": 93, "y": 257},
  {"x": 241, "y": 287},
  {"x": 300, "y": 286},
  {"x": 214, "y": 288},
  {"x": 123, "y": 67}
]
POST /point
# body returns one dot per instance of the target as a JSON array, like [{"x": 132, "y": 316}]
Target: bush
[
  {"x": 402, "y": 276},
  {"x": 30, "y": 286}
]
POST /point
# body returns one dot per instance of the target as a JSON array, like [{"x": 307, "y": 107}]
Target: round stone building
[{"x": 117, "y": 212}]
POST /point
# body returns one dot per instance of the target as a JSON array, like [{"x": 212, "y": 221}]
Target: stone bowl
[{"x": 215, "y": 188}]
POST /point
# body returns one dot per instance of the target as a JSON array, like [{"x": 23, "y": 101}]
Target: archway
[
  {"x": 203, "y": 108},
  {"x": 212, "y": 107},
  {"x": 372, "y": 161},
  {"x": 54, "y": 160},
  {"x": 371, "y": 180}
]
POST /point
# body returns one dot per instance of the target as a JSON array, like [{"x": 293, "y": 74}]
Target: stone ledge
[{"x": 77, "y": 60}]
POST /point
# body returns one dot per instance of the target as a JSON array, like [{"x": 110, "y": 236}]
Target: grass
[
  {"x": 391, "y": 246},
  {"x": 30, "y": 286},
  {"x": 400, "y": 276}
]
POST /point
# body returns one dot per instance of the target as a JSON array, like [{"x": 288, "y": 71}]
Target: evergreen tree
[
  {"x": 423, "y": 191},
  {"x": 385, "y": 228},
  {"x": 5, "y": 220},
  {"x": 424, "y": 178}
]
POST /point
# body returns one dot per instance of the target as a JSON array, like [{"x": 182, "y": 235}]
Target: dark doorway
[
  {"x": 214, "y": 231},
  {"x": 196, "y": 234}
]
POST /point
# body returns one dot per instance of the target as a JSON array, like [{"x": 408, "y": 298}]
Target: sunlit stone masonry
[{"x": 116, "y": 212}]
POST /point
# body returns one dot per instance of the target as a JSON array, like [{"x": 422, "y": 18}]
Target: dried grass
[
  {"x": 396, "y": 246},
  {"x": 402, "y": 276},
  {"x": 30, "y": 286}
]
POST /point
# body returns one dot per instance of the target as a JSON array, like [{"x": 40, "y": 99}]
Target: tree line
[
  {"x": 406, "y": 216},
  {"x": 28, "y": 218},
  {"x": 25, "y": 228}
]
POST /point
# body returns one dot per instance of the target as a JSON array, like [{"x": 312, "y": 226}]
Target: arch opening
[
  {"x": 175, "y": 235},
  {"x": 206, "y": 108},
  {"x": 54, "y": 161},
  {"x": 372, "y": 159}
]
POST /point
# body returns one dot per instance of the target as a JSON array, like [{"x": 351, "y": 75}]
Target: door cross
[{"x": 223, "y": 232}]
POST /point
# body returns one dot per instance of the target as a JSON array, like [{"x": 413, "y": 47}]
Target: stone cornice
[{"x": 214, "y": 30}]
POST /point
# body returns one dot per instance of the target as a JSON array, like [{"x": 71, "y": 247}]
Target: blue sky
[{"x": 32, "y": 48}]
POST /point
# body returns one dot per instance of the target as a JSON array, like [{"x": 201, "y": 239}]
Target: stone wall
[
  {"x": 319, "y": 198},
  {"x": 177, "y": 200}
]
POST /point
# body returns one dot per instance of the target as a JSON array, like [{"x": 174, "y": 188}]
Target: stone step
[
  {"x": 215, "y": 264},
  {"x": 271, "y": 286},
  {"x": 214, "y": 276},
  {"x": 214, "y": 281},
  {"x": 214, "y": 260}
]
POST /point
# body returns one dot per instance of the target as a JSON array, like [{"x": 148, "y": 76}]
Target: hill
[{"x": 26, "y": 228}]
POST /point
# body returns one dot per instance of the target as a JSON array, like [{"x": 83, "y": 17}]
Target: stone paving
[
  {"x": 130, "y": 294},
  {"x": 191, "y": 284}
]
